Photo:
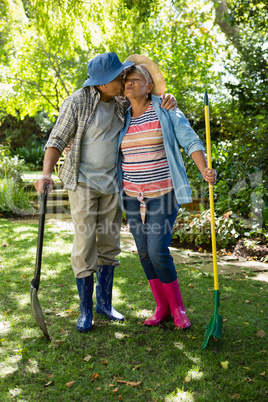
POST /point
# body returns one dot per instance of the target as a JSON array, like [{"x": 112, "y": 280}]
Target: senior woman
[{"x": 153, "y": 181}]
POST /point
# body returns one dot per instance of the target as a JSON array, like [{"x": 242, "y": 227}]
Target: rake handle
[{"x": 211, "y": 198}]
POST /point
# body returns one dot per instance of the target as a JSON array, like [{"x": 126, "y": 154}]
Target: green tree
[{"x": 49, "y": 43}]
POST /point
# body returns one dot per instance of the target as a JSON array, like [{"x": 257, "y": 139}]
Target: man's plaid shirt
[{"x": 76, "y": 114}]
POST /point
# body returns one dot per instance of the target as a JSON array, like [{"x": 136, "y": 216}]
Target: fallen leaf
[
  {"x": 247, "y": 301},
  {"x": 136, "y": 367},
  {"x": 69, "y": 384},
  {"x": 111, "y": 385},
  {"x": 260, "y": 333},
  {"x": 105, "y": 362},
  {"x": 225, "y": 364},
  {"x": 99, "y": 388},
  {"x": 134, "y": 384},
  {"x": 247, "y": 368},
  {"x": 48, "y": 384},
  {"x": 225, "y": 319},
  {"x": 120, "y": 398},
  {"x": 191, "y": 285},
  {"x": 194, "y": 337},
  {"x": 130, "y": 383},
  {"x": 248, "y": 379},
  {"x": 263, "y": 373},
  {"x": 187, "y": 379},
  {"x": 87, "y": 358},
  {"x": 116, "y": 389},
  {"x": 49, "y": 375},
  {"x": 58, "y": 342},
  {"x": 246, "y": 323},
  {"x": 94, "y": 377},
  {"x": 235, "y": 396}
]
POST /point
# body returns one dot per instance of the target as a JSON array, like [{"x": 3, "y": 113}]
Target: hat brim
[
  {"x": 102, "y": 80},
  {"x": 153, "y": 69}
]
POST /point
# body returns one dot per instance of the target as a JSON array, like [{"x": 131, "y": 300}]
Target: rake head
[{"x": 214, "y": 328}]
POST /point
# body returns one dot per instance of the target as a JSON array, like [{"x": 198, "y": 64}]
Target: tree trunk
[{"x": 231, "y": 32}]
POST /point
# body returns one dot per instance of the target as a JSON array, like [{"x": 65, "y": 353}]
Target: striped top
[{"x": 145, "y": 167}]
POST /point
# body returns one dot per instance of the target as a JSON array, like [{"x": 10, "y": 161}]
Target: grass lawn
[{"x": 123, "y": 361}]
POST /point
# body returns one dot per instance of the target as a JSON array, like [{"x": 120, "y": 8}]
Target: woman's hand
[
  {"x": 168, "y": 102},
  {"x": 68, "y": 148},
  {"x": 210, "y": 175}
]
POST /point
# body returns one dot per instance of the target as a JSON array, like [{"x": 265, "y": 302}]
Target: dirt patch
[{"x": 258, "y": 251}]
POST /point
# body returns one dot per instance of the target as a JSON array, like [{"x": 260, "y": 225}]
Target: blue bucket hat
[{"x": 104, "y": 69}]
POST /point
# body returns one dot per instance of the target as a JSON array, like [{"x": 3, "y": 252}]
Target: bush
[
  {"x": 33, "y": 155},
  {"x": 196, "y": 228},
  {"x": 199, "y": 186},
  {"x": 14, "y": 199},
  {"x": 241, "y": 186},
  {"x": 11, "y": 167}
]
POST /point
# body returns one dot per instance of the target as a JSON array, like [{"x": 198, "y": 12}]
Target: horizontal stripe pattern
[{"x": 144, "y": 164}]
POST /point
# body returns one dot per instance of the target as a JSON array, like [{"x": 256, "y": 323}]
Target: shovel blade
[{"x": 37, "y": 311}]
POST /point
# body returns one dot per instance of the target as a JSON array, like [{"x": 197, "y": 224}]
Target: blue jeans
[{"x": 153, "y": 238}]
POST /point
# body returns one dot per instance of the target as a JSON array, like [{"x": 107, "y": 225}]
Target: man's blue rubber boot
[
  {"x": 104, "y": 287},
  {"x": 85, "y": 290}
]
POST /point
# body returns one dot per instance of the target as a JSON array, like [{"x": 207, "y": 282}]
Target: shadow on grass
[{"x": 159, "y": 363}]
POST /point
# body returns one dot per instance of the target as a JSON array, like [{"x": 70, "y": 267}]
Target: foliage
[
  {"x": 55, "y": 41},
  {"x": 14, "y": 199},
  {"x": 45, "y": 46},
  {"x": 11, "y": 167},
  {"x": 241, "y": 186},
  {"x": 33, "y": 155},
  {"x": 253, "y": 13},
  {"x": 168, "y": 364},
  {"x": 17, "y": 132},
  {"x": 196, "y": 228},
  {"x": 198, "y": 186}
]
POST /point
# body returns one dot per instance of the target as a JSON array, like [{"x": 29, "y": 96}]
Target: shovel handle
[
  {"x": 211, "y": 198},
  {"x": 38, "y": 261}
]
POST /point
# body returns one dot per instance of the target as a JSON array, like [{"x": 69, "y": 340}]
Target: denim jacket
[{"x": 176, "y": 132}]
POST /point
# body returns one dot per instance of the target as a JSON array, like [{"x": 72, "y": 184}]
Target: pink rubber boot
[
  {"x": 162, "y": 311},
  {"x": 173, "y": 294}
]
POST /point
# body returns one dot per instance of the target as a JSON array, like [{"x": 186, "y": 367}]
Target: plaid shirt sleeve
[{"x": 65, "y": 127}]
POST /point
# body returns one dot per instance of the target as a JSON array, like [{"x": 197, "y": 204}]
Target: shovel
[
  {"x": 36, "y": 308},
  {"x": 215, "y": 325}
]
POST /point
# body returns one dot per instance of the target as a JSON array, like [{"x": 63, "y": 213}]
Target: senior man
[{"x": 91, "y": 119}]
